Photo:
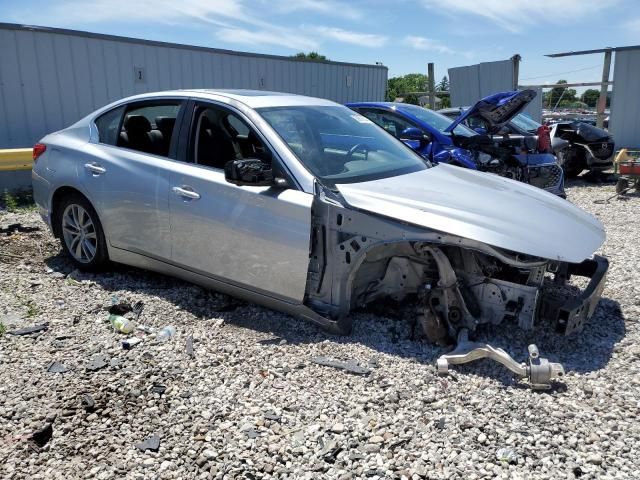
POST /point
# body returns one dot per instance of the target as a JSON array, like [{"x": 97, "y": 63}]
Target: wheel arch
[{"x": 56, "y": 200}]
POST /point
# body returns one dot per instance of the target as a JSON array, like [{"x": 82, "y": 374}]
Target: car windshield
[
  {"x": 525, "y": 123},
  {"x": 436, "y": 120},
  {"x": 339, "y": 145}
]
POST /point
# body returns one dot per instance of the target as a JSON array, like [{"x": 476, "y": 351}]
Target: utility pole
[
  {"x": 432, "y": 86},
  {"x": 602, "y": 100}
]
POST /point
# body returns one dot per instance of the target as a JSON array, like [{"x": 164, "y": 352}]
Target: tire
[
  {"x": 572, "y": 171},
  {"x": 81, "y": 233},
  {"x": 622, "y": 185},
  {"x": 572, "y": 166}
]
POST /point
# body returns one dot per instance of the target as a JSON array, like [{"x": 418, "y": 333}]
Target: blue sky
[{"x": 402, "y": 34}]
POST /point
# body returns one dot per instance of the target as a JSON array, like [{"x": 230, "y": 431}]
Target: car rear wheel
[{"x": 81, "y": 233}]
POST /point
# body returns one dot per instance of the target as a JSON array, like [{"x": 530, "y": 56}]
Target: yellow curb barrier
[{"x": 16, "y": 159}]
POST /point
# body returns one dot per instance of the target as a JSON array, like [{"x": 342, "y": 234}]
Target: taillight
[{"x": 38, "y": 149}]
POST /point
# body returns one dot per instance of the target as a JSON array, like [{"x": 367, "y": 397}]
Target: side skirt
[{"x": 297, "y": 310}]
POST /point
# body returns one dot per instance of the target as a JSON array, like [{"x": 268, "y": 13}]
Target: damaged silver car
[{"x": 305, "y": 206}]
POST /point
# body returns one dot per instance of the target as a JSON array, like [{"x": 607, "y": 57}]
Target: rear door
[
  {"x": 127, "y": 175},
  {"x": 254, "y": 237}
]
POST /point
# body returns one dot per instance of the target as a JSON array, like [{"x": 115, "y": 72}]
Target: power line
[{"x": 562, "y": 73}]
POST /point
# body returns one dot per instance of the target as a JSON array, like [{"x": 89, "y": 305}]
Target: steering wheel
[{"x": 358, "y": 147}]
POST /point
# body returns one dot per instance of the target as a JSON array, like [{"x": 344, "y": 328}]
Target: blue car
[{"x": 437, "y": 138}]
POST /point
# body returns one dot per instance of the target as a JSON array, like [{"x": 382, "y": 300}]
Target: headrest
[
  {"x": 137, "y": 123},
  {"x": 205, "y": 122},
  {"x": 165, "y": 124}
]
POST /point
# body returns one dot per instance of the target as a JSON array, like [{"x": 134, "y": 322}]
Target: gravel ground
[{"x": 250, "y": 403}]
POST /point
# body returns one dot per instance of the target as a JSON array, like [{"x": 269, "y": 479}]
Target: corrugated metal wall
[
  {"x": 469, "y": 84},
  {"x": 50, "y": 78},
  {"x": 624, "y": 123}
]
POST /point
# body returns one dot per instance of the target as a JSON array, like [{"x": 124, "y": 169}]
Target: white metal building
[
  {"x": 50, "y": 77},
  {"x": 469, "y": 84}
]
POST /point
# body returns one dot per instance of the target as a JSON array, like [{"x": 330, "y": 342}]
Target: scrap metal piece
[
  {"x": 30, "y": 330},
  {"x": 97, "y": 362},
  {"x": 539, "y": 371},
  {"x": 350, "y": 366},
  {"x": 151, "y": 443},
  {"x": 56, "y": 367}
]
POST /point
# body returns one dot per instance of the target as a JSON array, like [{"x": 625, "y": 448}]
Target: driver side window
[
  {"x": 219, "y": 136},
  {"x": 393, "y": 124}
]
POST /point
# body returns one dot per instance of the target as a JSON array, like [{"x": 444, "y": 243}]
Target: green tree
[
  {"x": 590, "y": 97},
  {"x": 568, "y": 95},
  {"x": 400, "y": 86},
  {"x": 412, "y": 98},
  {"x": 443, "y": 85},
  {"x": 310, "y": 56}
]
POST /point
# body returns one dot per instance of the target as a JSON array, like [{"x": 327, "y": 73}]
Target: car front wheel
[{"x": 81, "y": 233}]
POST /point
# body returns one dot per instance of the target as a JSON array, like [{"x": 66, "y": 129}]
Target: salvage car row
[{"x": 309, "y": 207}]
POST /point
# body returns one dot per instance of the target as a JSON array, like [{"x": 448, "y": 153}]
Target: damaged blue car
[{"x": 437, "y": 138}]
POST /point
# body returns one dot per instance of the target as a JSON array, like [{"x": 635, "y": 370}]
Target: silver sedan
[{"x": 306, "y": 206}]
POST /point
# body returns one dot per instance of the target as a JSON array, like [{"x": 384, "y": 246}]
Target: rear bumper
[
  {"x": 570, "y": 312},
  {"x": 41, "y": 194}
]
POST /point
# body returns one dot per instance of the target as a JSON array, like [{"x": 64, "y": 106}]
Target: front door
[{"x": 254, "y": 237}]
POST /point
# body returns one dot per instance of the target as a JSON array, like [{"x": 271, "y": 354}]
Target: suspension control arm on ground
[{"x": 539, "y": 371}]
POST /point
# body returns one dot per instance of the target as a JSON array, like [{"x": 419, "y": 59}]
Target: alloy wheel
[{"x": 79, "y": 233}]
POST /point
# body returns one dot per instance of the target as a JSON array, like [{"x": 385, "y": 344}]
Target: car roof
[
  {"x": 391, "y": 105},
  {"x": 251, "y": 98},
  {"x": 453, "y": 110}
]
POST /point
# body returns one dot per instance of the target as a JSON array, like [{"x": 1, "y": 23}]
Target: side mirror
[
  {"x": 480, "y": 130},
  {"x": 414, "y": 138},
  {"x": 413, "y": 133},
  {"x": 504, "y": 130},
  {"x": 251, "y": 171}
]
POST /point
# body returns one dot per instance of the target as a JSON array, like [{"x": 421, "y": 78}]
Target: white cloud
[
  {"x": 72, "y": 12},
  {"x": 515, "y": 16},
  {"x": 427, "y": 44},
  {"x": 346, "y": 36},
  {"x": 632, "y": 26},
  {"x": 328, "y": 7},
  {"x": 239, "y": 21},
  {"x": 281, "y": 38}
]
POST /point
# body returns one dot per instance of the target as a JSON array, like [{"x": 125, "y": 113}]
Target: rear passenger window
[
  {"x": 149, "y": 128},
  {"x": 108, "y": 125}
]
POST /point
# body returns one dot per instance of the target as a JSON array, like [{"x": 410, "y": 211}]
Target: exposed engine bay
[
  {"x": 515, "y": 158},
  {"x": 456, "y": 284},
  {"x": 494, "y": 158}
]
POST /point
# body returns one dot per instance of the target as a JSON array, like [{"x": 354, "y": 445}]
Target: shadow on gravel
[
  {"x": 382, "y": 328},
  {"x": 589, "y": 179}
]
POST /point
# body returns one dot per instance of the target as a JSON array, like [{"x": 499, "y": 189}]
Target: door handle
[
  {"x": 95, "y": 169},
  {"x": 186, "y": 192}
]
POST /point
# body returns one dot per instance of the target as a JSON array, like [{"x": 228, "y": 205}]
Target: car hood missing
[
  {"x": 496, "y": 109},
  {"x": 487, "y": 208}
]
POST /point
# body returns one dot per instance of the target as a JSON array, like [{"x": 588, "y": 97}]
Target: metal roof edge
[{"x": 597, "y": 50}]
